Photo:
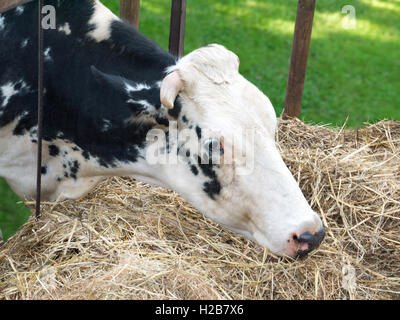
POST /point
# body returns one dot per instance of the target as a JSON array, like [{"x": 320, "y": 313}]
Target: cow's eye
[
  {"x": 212, "y": 150},
  {"x": 214, "y": 146}
]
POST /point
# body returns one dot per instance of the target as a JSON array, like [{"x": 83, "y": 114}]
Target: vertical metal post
[
  {"x": 177, "y": 27},
  {"x": 298, "y": 61},
  {"x": 129, "y": 10},
  {"x": 40, "y": 110}
]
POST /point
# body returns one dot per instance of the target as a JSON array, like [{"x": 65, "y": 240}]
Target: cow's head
[
  {"x": 229, "y": 166},
  {"x": 214, "y": 143}
]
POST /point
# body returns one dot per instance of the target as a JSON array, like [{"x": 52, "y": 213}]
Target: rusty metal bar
[
  {"x": 6, "y": 5},
  {"x": 177, "y": 27},
  {"x": 129, "y": 11},
  {"x": 298, "y": 61},
  {"x": 40, "y": 111}
]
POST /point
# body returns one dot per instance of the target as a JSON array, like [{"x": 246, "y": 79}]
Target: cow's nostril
[
  {"x": 306, "y": 237},
  {"x": 308, "y": 242}
]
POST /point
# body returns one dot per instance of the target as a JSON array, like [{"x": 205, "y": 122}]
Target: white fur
[
  {"x": 65, "y": 29},
  {"x": 101, "y": 20},
  {"x": 106, "y": 125},
  {"x": 138, "y": 87},
  {"x": 46, "y": 54},
  {"x": 144, "y": 103},
  {"x": 17, "y": 172},
  {"x": 266, "y": 204},
  {"x": 2, "y": 23},
  {"x": 19, "y": 10},
  {"x": 8, "y": 90},
  {"x": 24, "y": 43}
]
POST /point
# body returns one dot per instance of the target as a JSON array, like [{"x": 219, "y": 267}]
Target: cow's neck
[
  {"x": 107, "y": 126},
  {"x": 90, "y": 131}
]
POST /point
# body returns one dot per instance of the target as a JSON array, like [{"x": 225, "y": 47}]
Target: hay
[{"x": 129, "y": 240}]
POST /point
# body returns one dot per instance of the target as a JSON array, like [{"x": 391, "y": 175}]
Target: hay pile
[{"x": 129, "y": 240}]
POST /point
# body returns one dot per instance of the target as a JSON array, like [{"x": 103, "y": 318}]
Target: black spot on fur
[
  {"x": 207, "y": 169},
  {"x": 74, "y": 167},
  {"x": 212, "y": 188},
  {"x": 86, "y": 155},
  {"x": 198, "y": 132},
  {"x": 167, "y": 137},
  {"x": 54, "y": 151},
  {"x": 194, "y": 170},
  {"x": 162, "y": 120},
  {"x": 44, "y": 170}
]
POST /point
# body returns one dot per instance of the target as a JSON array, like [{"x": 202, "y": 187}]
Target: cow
[{"x": 107, "y": 87}]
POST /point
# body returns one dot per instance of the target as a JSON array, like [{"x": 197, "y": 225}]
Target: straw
[{"x": 129, "y": 240}]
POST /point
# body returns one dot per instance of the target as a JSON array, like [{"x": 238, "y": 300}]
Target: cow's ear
[
  {"x": 107, "y": 80},
  {"x": 215, "y": 62}
]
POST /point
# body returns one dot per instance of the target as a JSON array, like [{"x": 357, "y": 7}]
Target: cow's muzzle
[{"x": 309, "y": 242}]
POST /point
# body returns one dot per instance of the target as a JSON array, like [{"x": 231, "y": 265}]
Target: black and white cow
[{"x": 109, "y": 91}]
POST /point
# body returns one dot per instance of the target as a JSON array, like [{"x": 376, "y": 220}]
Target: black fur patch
[
  {"x": 194, "y": 170},
  {"x": 86, "y": 155},
  {"x": 74, "y": 167},
  {"x": 75, "y": 103},
  {"x": 176, "y": 110},
  {"x": 211, "y": 187},
  {"x": 198, "y": 132},
  {"x": 54, "y": 151}
]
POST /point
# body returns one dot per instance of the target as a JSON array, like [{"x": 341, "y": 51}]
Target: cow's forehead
[
  {"x": 226, "y": 108},
  {"x": 220, "y": 93}
]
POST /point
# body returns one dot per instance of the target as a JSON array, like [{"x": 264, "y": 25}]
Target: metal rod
[
  {"x": 129, "y": 11},
  {"x": 298, "y": 60},
  {"x": 177, "y": 27},
  {"x": 40, "y": 111}
]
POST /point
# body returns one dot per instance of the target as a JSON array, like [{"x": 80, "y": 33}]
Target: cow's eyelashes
[
  {"x": 213, "y": 146},
  {"x": 211, "y": 151}
]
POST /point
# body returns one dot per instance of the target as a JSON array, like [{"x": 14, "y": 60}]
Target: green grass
[
  {"x": 12, "y": 213},
  {"x": 352, "y": 74}
]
